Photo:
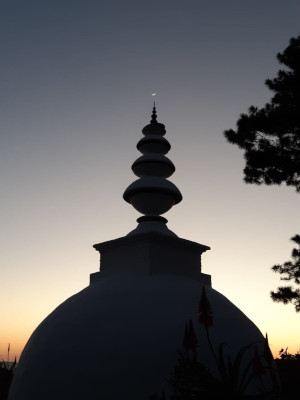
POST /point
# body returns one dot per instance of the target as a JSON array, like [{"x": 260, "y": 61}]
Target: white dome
[{"x": 118, "y": 338}]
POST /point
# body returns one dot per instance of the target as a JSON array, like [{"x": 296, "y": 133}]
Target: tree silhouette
[
  {"x": 290, "y": 271},
  {"x": 270, "y": 136}
]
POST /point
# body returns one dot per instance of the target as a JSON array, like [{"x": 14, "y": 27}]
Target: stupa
[{"x": 120, "y": 336}]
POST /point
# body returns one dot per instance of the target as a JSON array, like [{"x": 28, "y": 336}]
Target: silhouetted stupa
[{"x": 119, "y": 337}]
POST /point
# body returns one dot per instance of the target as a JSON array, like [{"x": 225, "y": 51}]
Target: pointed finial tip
[{"x": 153, "y": 116}]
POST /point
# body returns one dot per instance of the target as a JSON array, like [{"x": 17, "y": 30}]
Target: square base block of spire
[{"x": 151, "y": 253}]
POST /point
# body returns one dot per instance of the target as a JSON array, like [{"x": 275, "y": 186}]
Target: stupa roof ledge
[{"x": 153, "y": 236}]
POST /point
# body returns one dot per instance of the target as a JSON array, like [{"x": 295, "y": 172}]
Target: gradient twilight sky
[{"x": 76, "y": 84}]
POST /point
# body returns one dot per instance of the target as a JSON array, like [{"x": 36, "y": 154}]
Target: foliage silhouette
[
  {"x": 270, "y": 136},
  {"x": 192, "y": 380},
  {"x": 290, "y": 270},
  {"x": 289, "y": 371},
  {"x": 6, "y": 375}
]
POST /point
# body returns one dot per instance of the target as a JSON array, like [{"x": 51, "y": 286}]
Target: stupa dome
[{"x": 120, "y": 336}]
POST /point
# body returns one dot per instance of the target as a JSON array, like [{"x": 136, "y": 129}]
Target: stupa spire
[
  {"x": 153, "y": 116},
  {"x": 152, "y": 194}
]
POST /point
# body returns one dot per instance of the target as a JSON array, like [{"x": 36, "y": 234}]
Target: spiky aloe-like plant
[
  {"x": 192, "y": 380},
  {"x": 236, "y": 373}
]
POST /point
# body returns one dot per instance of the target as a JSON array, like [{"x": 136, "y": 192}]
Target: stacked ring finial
[{"x": 152, "y": 194}]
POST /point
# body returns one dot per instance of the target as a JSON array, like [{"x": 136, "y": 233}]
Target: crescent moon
[{"x": 153, "y": 94}]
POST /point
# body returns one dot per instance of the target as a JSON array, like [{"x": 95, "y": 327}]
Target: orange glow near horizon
[{"x": 17, "y": 343}]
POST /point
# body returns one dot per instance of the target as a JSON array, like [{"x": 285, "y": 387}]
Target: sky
[{"x": 77, "y": 79}]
